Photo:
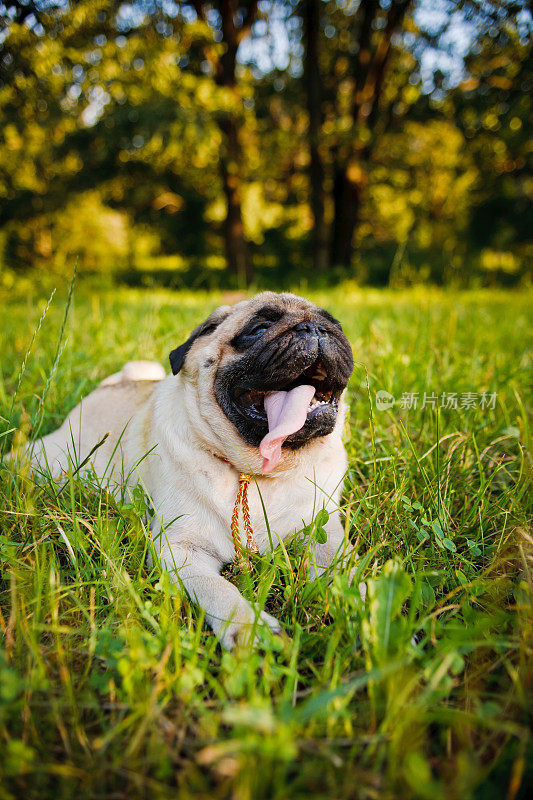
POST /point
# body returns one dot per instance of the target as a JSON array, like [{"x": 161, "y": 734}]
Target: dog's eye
[
  {"x": 259, "y": 329},
  {"x": 254, "y": 330}
]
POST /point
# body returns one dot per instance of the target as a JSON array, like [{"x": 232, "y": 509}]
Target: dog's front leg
[{"x": 232, "y": 617}]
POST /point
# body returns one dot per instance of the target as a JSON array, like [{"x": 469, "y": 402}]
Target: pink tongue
[{"x": 286, "y": 412}]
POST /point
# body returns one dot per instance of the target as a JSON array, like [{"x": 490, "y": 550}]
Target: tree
[
  {"x": 313, "y": 88},
  {"x": 138, "y": 126},
  {"x": 233, "y": 22},
  {"x": 493, "y": 107},
  {"x": 375, "y": 31},
  {"x": 172, "y": 114},
  {"x": 347, "y": 94}
]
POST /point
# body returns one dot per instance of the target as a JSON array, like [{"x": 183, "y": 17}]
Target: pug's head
[{"x": 275, "y": 363}]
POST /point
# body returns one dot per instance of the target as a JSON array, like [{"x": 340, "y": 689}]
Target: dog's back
[{"x": 96, "y": 429}]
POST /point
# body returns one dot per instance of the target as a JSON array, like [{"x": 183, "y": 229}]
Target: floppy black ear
[
  {"x": 328, "y": 316},
  {"x": 177, "y": 356}
]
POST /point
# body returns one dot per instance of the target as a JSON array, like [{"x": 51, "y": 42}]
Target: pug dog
[{"x": 257, "y": 389}]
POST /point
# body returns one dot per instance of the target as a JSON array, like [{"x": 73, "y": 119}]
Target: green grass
[{"x": 112, "y": 687}]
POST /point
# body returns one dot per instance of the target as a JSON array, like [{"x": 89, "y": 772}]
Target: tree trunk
[
  {"x": 350, "y": 175},
  {"x": 235, "y": 26},
  {"x": 348, "y": 187},
  {"x": 237, "y": 254},
  {"x": 236, "y": 248},
  {"x": 311, "y": 15}
]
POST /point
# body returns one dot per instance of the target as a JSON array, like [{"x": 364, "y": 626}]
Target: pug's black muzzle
[{"x": 305, "y": 353}]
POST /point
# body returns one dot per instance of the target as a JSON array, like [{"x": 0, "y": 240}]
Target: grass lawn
[{"x": 111, "y": 686}]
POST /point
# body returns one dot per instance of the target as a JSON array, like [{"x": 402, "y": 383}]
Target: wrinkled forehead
[
  {"x": 269, "y": 304},
  {"x": 283, "y": 302}
]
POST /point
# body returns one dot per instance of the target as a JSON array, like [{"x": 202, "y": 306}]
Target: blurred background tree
[{"x": 219, "y": 143}]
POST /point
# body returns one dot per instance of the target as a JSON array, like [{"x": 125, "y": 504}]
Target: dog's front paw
[
  {"x": 243, "y": 628},
  {"x": 270, "y": 622}
]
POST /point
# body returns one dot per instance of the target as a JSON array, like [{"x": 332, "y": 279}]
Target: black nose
[{"x": 309, "y": 327}]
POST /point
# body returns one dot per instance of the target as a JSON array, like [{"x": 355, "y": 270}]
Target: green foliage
[
  {"x": 111, "y": 145},
  {"x": 111, "y": 684},
  {"x": 494, "y": 109}
]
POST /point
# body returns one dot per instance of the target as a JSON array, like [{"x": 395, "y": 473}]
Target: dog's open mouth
[
  {"x": 251, "y": 402},
  {"x": 307, "y": 401}
]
